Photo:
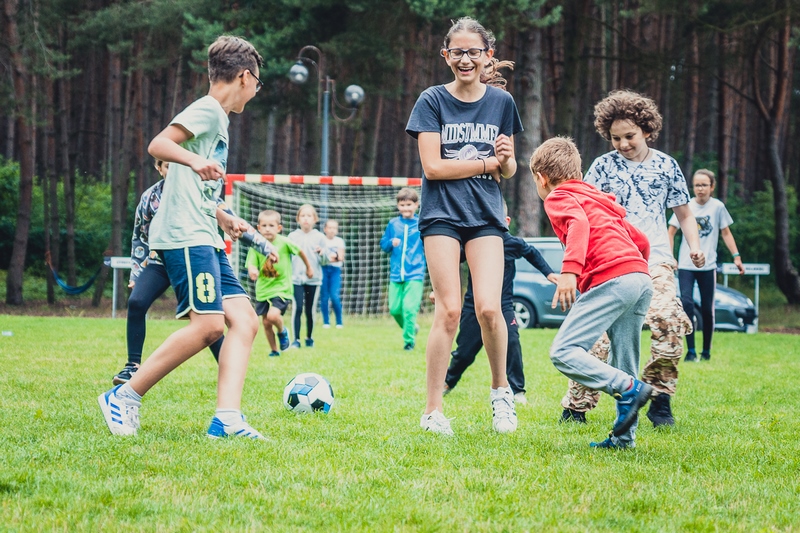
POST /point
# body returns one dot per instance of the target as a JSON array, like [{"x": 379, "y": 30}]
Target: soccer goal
[{"x": 361, "y": 205}]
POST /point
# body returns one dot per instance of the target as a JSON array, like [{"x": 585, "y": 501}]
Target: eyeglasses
[
  {"x": 457, "y": 53},
  {"x": 701, "y": 185},
  {"x": 259, "y": 83}
]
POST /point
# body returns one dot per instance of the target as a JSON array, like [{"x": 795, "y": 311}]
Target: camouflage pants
[{"x": 668, "y": 324}]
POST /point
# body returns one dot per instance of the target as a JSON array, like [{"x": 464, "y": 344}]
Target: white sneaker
[
  {"x": 121, "y": 414},
  {"x": 520, "y": 399},
  {"x": 326, "y": 326},
  {"x": 339, "y": 326},
  {"x": 436, "y": 422},
  {"x": 504, "y": 417},
  {"x": 241, "y": 428}
]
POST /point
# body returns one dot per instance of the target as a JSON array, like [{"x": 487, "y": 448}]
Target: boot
[{"x": 660, "y": 413}]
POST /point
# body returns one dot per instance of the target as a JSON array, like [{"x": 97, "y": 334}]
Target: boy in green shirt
[{"x": 274, "y": 289}]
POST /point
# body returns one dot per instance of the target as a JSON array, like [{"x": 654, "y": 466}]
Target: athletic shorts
[
  {"x": 277, "y": 302},
  {"x": 202, "y": 277},
  {"x": 462, "y": 234}
]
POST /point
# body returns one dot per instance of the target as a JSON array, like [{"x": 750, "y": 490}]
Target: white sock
[
  {"x": 229, "y": 416},
  {"x": 126, "y": 392}
]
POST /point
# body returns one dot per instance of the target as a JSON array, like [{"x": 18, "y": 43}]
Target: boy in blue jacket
[{"x": 407, "y": 265}]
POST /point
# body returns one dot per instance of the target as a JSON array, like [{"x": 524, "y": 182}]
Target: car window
[{"x": 553, "y": 256}]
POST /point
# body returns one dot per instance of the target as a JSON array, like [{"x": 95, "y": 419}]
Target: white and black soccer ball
[{"x": 308, "y": 393}]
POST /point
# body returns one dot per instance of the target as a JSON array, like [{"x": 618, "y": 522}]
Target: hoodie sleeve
[
  {"x": 571, "y": 224},
  {"x": 388, "y": 235},
  {"x": 534, "y": 257}
]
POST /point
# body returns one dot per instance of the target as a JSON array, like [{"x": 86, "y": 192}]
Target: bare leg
[
  {"x": 442, "y": 254},
  {"x": 486, "y": 263},
  {"x": 242, "y": 324},
  {"x": 177, "y": 348}
]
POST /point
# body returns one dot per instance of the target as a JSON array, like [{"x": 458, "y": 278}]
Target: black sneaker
[
  {"x": 571, "y": 415},
  {"x": 691, "y": 356},
  {"x": 409, "y": 346},
  {"x": 660, "y": 413},
  {"x": 705, "y": 356},
  {"x": 609, "y": 444},
  {"x": 125, "y": 374}
]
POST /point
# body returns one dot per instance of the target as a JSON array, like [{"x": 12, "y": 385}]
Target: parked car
[{"x": 533, "y": 295}]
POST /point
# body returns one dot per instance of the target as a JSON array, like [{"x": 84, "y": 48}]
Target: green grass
[{"x": 732, "y": 463}]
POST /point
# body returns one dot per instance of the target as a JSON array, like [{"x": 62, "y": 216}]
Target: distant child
[
  {"x": 312, "y": 242},
  {"x": 274, "y": 288},
  {"x": 465, "y": 134},
  {"x": 469, "y": 341},
  {"x": 713, "y": 221},
  {"x": 184, "y": 233},
  {"x": 332, "y": 274},
  {"x": 646, "y": 182},
  {"x": 606, "y": 259},
  {"x": 406, "y": 265}
]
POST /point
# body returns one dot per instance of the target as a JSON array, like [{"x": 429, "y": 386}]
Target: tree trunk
[
  {"x": 693, "y": 107},
  {"x": 52, "y": 229},
  {"x": 723, "y": 122},
  {"x": 529, "y": 206},
  {"x": 65, "y": 168},
  {"x": 26, "y": 118},
  {"x": 575, "y": 17}
]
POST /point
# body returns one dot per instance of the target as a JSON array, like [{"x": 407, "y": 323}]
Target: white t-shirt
[
  {"x": 313, "y": 244},
  {"x": 711, "y": 218},
  {"x": 187, "y": 215},
  {"x": 332, "y": 246},
  {"x": 645, "y": 189}
]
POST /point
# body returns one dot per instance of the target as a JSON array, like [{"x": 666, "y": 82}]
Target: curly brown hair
[{"x": 627, "y": 105}]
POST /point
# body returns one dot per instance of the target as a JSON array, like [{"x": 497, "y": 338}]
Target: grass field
[{"x": 732, "y": 463}]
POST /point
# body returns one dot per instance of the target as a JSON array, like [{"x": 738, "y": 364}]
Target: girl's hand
[
  {"x": 309, "y": 273},
  {"x": 493, "y": 168},
  {"x": 503, "y": 148}
]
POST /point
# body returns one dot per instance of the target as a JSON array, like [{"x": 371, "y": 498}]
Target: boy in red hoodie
[{"x": 605, "y": 258}]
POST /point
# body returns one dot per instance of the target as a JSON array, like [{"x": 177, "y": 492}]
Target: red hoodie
[{"x": 600, "y": 243}]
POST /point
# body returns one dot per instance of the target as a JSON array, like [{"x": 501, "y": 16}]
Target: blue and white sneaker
[
  {"x": 609, "y": 444},
  {"x": 283, "y": 339},
  {"x": 218, "y": 430},
  {"x": 628, "y": 405},
  {"x": 295, "y": 344},
  {"x": 121, "y": 414}
]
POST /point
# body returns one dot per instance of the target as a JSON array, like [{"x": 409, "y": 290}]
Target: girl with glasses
[{"x": 465, "y": 132}]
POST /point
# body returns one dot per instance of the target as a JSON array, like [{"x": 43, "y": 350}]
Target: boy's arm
[
  {"x": 535, "y": 258},
  {"x": 689, "y": 227},
  {"x": 251, "y": 262},
  {"x": 567, "y": 215},
  {"x": 166, "y": 146},
  {"x": 386, "y": 240},
  {"x": 309, "y": 270}
]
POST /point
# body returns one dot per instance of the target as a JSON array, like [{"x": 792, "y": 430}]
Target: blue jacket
[{"x": 407, "y": 261}]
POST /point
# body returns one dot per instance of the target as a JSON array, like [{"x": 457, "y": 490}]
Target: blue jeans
[
  {"x": 618, "y": 307},
  {"x": 331, "y": 287}
]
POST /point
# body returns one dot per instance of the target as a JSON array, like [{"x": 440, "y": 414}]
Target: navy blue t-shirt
[{"x": 468, "y": 131}]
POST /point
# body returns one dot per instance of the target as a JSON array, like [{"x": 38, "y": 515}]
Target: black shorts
[
  {"x": 462, "y": 234},
  {"x": 278, "y": 303}
]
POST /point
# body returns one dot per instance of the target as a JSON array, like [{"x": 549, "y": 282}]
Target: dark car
[{"x": 533, "y": 295}]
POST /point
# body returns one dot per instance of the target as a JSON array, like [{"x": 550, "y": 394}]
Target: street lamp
[{"x": 353, "y": 96}]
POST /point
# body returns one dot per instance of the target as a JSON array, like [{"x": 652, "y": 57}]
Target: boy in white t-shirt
[
  {"x": 332, "y": 274},
  {"x": 713, "y": 220},
  {"x": 184, "y": 233}
]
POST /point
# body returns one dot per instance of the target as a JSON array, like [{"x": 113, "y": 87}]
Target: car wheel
[{"x": 525, "y": 313}]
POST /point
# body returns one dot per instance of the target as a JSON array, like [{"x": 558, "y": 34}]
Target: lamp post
[{"x": 353, "y": 96}]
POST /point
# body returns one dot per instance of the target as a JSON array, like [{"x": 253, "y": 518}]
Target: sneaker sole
[
  {"x": 638, "y": 402},
  {"x": 115, "y": 429},
  {"x": 119, "y": 381}
]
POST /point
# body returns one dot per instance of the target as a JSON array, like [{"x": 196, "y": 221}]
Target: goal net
[{"x": 362, "y": 205}]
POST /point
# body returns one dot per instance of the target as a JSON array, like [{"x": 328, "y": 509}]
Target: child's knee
[{"x": 488, "y": 315}]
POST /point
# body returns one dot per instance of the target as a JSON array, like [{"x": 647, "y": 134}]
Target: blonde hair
[
  {"x": 558, "y": 159},
  {"x": 490, "y": 74},
  {"x": 307, "y": 206},
  {"x": 267, "y": 214}
]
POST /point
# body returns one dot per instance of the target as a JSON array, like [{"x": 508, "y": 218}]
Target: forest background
[{"x": 84, "y": 86}]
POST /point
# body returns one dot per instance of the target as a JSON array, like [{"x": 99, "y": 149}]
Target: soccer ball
[{"x": 308, "y": 393}]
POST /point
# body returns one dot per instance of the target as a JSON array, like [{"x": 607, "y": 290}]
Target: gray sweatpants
[{"x": 617, "y": 306}]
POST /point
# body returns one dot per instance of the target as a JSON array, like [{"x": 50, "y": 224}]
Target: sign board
[
  {"x": 751, "y": 269},
  {"x": 120, "y": 262}
]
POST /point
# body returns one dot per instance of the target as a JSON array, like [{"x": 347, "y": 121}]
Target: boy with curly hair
[{"x": 646, "y": 182}]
